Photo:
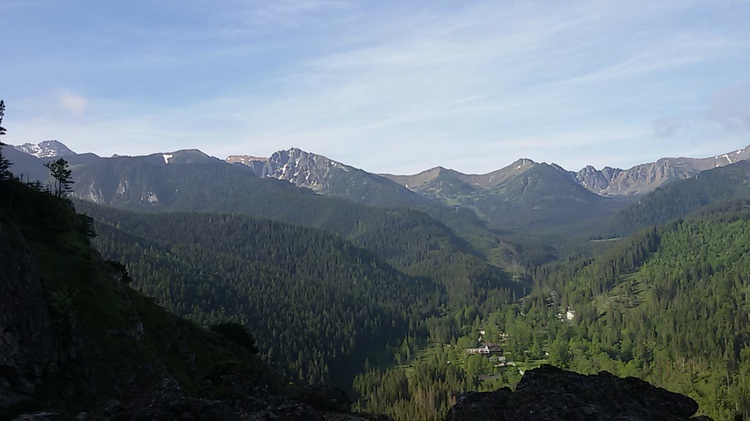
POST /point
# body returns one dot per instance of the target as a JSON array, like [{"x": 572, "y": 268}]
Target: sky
[{"x": 387, "y": 86}]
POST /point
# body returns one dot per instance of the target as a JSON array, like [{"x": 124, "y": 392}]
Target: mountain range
[
  {"x": 323, "y": 175},
  {"x": 521, "y": 213},
  {"x": 80, "y": 343},
  {"x": 312, "y": 171},
  {"x": 342, "y": 272}
]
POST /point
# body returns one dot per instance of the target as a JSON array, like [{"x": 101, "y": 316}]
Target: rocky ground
[{"x": 549, "y": 393}]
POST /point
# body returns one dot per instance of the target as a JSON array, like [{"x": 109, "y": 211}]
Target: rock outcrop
[{"x": 549, "y": 393}]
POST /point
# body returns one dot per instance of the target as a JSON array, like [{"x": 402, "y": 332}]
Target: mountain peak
[
  {"x": 45, "y": 149},
  {"x": 645, "y": 178},
  {"x": 522, "y": 162},
  {"x": 326, "y": 176},
  {"x": 301, "y": 168}
]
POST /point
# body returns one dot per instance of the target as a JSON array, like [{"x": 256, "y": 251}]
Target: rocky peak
[
  {"x": 522, "y": 162},
  {"x": 301, "y": 168},
  {"x": 645, "y": 178},
  {"x": 593, "y": 180},
  {"x": 45, "y": 149}
]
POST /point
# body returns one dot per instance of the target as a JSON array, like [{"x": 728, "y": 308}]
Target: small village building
[{"x": 488, "y": 349}]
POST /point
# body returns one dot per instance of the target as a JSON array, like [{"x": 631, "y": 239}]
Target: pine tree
[
  {"x": 60, "y": 171},
  {"x": 2, "y": 114},
  {"x": 4, "y": 163}
]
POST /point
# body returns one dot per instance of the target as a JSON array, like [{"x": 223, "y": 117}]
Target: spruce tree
[
  {"x": 4, "y": 163},
  {"x": 62, "y": 174}
]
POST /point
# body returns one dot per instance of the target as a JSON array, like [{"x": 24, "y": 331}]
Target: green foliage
[
  {"x": 319, "y": 306},
  {"x": 117, "y": 339},
  {"x": 4, "y": 163},
  {"x": 669, "y": 305},
  {"x": 237, "y": 334},
  {"x": 409, "y": 240},
  {"x": 61, "y": 172},
  {"x": 430, "y": 384},
  {"x": 2, "y": 114},
  {"x": 61, "y": 305}
]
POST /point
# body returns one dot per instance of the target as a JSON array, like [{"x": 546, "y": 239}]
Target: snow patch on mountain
[{"x": 45, "y": 149}]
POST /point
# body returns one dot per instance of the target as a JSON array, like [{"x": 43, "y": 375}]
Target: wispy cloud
[
  {"x": 434, "y": 82},
  {"x": 73, "y": 104}
]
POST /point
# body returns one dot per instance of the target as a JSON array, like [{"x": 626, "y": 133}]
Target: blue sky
[{"x": 387, "y": 86}]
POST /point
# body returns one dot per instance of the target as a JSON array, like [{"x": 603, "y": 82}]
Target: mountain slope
[
  {"x": 45, "y": 149},
  {"x": 410, "y": 240},
  {"x": 331, "y": 178},
  {"x": 422, "y": 181},
  {"x": 682, "y": 197},
  {"x": 325, "y": 176},
  {"x": 267, "y": 274},
  {"x": 669, "y": 304},
  {"x": 76, "y": 336},
  {"x": 530, "y": 198},
  {"x": 645, "y": 178}
]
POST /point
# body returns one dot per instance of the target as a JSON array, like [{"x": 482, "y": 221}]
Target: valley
[{"x": 380, "y": 284}]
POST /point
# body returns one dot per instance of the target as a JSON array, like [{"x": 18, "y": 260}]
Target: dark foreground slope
[{"x": 76, "y": 340}]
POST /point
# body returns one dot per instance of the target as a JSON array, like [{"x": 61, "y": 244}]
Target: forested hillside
[
  {"x": 77, "y": 337},
  {"x": 409, "y": 239},
  {"x": 193, "y": 181},
  {"x": 322, "y": 308},
  {"x": 681, "y": 198},
  {"x": 318, "y": 305},
  {"x": 669, "y": 305},
  {"x": 387, "y": 301},
  {"x": 540, "y": 210},
  {"x": 672, "y": 307}
]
